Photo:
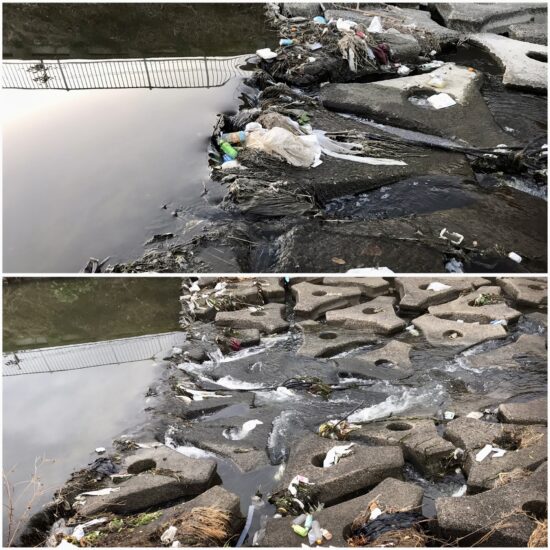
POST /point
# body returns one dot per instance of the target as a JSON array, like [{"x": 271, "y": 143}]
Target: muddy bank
[
  {"x": 363, "y": 98},
  {"x": 435, "y": 389}
]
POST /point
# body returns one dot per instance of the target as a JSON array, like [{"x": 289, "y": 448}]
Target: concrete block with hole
[
  {"x": 312, "y": 301},
  {"x": 499, "y": 517},
  {"x": 391, "y": 494},
  {"x": 267, "y": 319},
  {"x": 323, "y": 341},
  {"x": 525, "y": 64},
  {"x": 421, "y": 443},
  {"x": 406, "y": 102},
  {"x": 525, "y": 446},
  {"x": 460, "y": 336},
  {"x": 469, "y": 310},
  {"x": 529, "y": 292},
  {"x": 533, "y": 411},
  {"x": 160, "y": 476},
  {"x": 528, "y": 347},
  {"x": 370, "y": 286},
  {"x": 364, "y": 468},
  {"x": 526, "y": 449},
  {"x": 376, "y": 316},
  {"x": 390, "y": 362},
  {"x": 415, "y": 296}
]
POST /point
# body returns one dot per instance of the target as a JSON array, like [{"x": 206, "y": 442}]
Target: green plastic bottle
[{"x": 228, "y": 149}]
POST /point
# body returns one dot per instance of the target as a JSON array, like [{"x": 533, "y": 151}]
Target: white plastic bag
[{"x": 296, "y": 150}]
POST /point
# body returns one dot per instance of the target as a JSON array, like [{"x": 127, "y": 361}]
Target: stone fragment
[
  {"x": 526, "y": 291},
  {"x": 314, "y": 300},
  {"x": 441, "y": 332},
  {"x": 323, "y": 341},
  {"x": 464, "y": 308},
  {"x": 415, "y": 295},
  {"x": 267, "y": 319},
  {"x": 525, "y": 64},
  {"x": 375, "y": 316}
]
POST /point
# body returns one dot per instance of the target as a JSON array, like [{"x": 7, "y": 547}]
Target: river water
[
  {"x": 96, "y": 173},
  {"x": 58, "y": 419}
]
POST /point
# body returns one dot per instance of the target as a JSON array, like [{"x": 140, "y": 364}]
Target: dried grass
[
  {"x": 410, "y": 538},
  {"x": 514, "y": 475},
  {"x": 539, "y": 537},
  {"x": 203, "y": 527},
  {"x": 529, "y": 437}
]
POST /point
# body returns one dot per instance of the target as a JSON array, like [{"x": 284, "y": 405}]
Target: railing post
[
  {"x": 207, "y": 75},
  {"x": 147, "y": 72},
  {"x": 63, "y": 75}
]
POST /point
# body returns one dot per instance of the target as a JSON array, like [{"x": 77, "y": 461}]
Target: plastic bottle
[
  {"x": 309, "y": 521},
  {"x": 286, "y": 42},
  {"x": 234, "y": 137},
  {"x": 315, "y": 534},
  {"x": 228, "y": 149}
]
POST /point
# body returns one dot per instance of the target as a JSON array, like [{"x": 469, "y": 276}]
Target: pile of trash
[
  {"x": 297, "y": 499},
  {"x": 322, "y": 48},
  {"x": 295, "y": 142}
]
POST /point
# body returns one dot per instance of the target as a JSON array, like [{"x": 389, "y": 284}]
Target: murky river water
[
  {"x": 60, "y": 418},
  {"x": 87, "y": 173}
]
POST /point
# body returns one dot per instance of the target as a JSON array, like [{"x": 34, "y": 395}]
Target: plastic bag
[{"x": 301, "y": 151}]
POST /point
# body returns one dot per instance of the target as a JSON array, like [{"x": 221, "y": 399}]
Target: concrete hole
[
  {"x": 538, "y": 56},
  {"x": 370, "y": 311},
  {"x": 399, "y": 426},
  {"x": 319, "y": 293},
  {"x": 142, "y": 466},
  {"x": 328, "y": 335},
  {"x": 419, "y": 98},
  {"x": 424, "y": 287},
  {"x": 452, "y": 334},
  {"x": 346, "y": 532},
  {"x": 384, "y": 363},
  {"x": 257, "y": 313},
  {"x": 317, "y": 460},
  {"x": 536, "y": 508},
  {"x": 535, "y": 287}
]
